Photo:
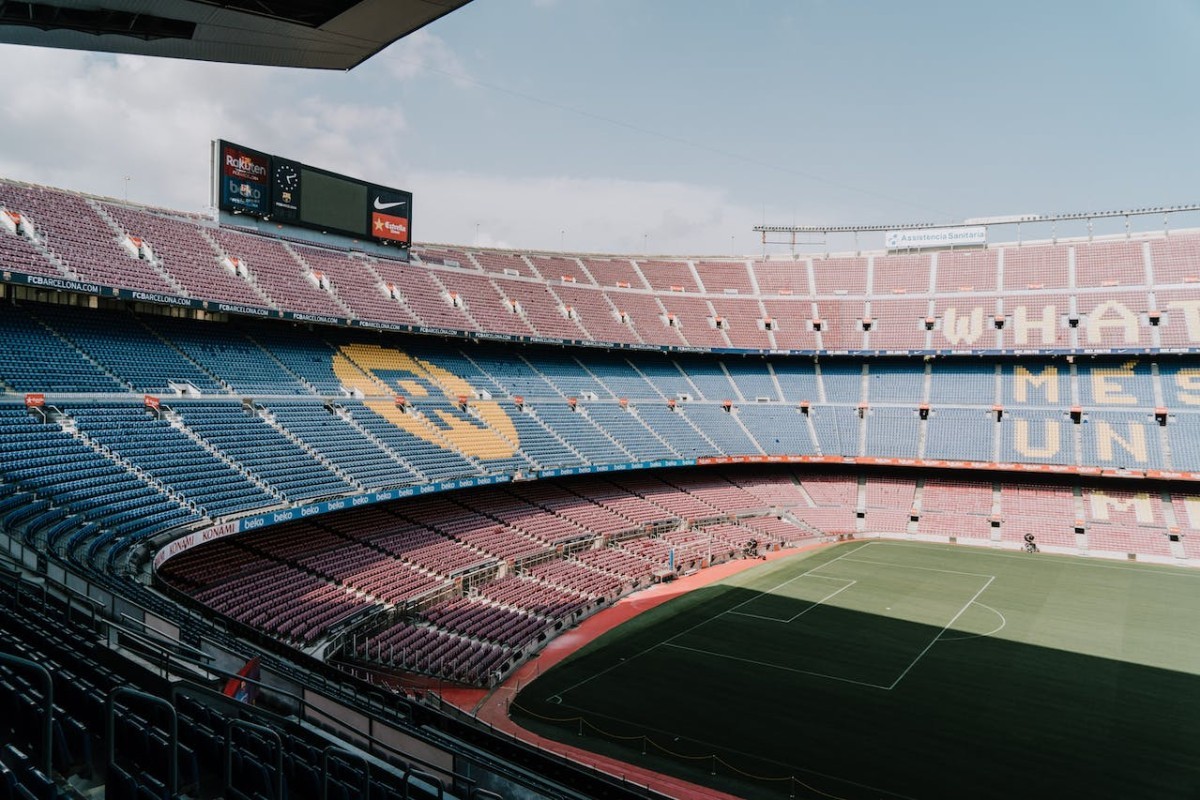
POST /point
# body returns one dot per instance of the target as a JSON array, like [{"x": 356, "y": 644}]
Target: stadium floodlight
[
  {"x": 1004, "y": 219},
  {"x": 1011, "y": 219}
]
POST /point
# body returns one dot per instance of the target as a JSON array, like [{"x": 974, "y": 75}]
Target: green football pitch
[{"x": 900, "y": 670}]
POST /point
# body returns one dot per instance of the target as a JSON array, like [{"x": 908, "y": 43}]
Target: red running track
[{"x": 492, "y": 706}]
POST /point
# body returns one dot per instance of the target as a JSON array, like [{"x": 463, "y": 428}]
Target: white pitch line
[
  {"x": 606, "y": 670},
  {"x": 769, "y": 665},
  {"x": 760, "y": 594},
  {"x": 914, "y": 566},
  {"x": 993, "y": 631},
  {"x": 811, "y": 606},
  {"x": 943, "y": 630},
  {"x": 1058, "y": 558}
]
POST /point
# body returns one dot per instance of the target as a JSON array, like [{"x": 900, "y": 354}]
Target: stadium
[{"x": 299, "y": 506}]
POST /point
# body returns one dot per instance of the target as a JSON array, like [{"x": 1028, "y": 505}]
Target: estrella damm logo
[{"x": 376, "y": 370}]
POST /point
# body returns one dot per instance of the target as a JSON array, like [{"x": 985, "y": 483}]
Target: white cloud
[
  {"x": 583, "y": 214},
  {"x": 420, "y": 52},
  {"x": 85, "y": 121}
]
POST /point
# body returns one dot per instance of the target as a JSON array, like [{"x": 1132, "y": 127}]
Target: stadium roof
[{"x": 321, "y": 34}]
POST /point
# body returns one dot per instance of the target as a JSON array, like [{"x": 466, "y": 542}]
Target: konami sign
[{"x": 185, "y": 543}]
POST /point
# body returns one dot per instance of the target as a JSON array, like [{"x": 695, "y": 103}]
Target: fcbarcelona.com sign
[
  {"x": 936, "y": 237},
  {"x": 246, "y": 524}
]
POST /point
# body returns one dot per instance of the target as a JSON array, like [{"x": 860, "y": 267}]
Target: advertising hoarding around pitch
[{"x": 287, "y": 192}]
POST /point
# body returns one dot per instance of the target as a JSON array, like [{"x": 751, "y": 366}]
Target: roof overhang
[{"x": 318, "y": 34}]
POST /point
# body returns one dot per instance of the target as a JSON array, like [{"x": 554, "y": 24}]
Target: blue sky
[{"x": 609, "y": 125}]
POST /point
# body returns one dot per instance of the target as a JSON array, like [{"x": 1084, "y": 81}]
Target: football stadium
[{"x": 296, "y": 505}]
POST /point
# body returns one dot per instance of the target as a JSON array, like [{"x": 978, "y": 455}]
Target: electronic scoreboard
[{"x": 288, "y": 192}]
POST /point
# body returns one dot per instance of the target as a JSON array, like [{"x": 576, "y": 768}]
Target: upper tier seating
[
  {"x": 80, "y": 239},
  {"x": 188, "y": 255},
  {"x": 357, "y": 284},
  {"x": 725, "y": 277},
  {"x": 1135, "y": 291},
  {"x": 277, "y": 272}
]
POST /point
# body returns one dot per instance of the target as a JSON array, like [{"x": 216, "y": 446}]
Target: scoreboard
[{"x": 288, "y": 192}]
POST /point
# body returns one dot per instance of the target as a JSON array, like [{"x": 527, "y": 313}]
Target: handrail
[
  {"x": 111, "y": 728},
  {"x": 416, "y": 773},
  {"x": 47, "y": 707},
  {"x": 365, "y": 789},
  {"x": 171, "y": 642},
  {"x": 177, "y": 688},
  {"x": 242, "y": 724}
]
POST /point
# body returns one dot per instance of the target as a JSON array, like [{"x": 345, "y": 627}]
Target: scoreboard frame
[{"x": 273, "y": 188}]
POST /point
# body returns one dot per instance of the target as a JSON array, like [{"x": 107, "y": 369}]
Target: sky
[{"x": 663, "y": 126}]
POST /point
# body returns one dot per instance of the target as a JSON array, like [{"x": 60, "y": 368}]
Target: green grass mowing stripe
[
  {"x": 945, "y": 628},
  {"x": 846, "y": 584},
  {"x": 821, "y": 645},
  {"x": 1077, "y": 678},
  {"x": 624, "y": 662},
  {"x": 675, "y": 738}
]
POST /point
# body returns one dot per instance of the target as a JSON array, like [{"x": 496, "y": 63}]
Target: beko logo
[{"x": 382, "y": 206}]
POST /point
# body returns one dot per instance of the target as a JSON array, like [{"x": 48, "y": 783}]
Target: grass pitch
[{"x": 901, "y": 670}]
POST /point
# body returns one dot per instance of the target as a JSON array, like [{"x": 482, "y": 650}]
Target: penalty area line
[
  {"x": 992, "y": 632},
  {"x": 811, "y": 606},
  {"x": 945, "y": 628},
  {"x": 769, "y": 665},
  {"x": 688, "y": 630}
]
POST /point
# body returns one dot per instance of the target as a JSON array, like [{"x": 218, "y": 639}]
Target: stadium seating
[
  {"x": 278, "y": 273},
  {"x": 900, "y": 274},
  {"x": 244, "y": 367},
  {"x": 41, "y": 459},
  {"x": 75, "y": 236},
  {"x": 627, "y": 429},
  {"x": 321, "y": 403},
  {"x": 188, "y": 255},
  {"x": 874, "y": 301},
  {"x": 142, "y": 359},
  {"x": 256, "y": 415},
  {"x": 34, "y": 359},
  {"x": 268, "y": 454}
]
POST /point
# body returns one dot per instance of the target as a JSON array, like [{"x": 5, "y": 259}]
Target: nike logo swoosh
[{"x": 384, "y": 206}]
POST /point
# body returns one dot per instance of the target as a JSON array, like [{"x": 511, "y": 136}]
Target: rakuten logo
[{"x": 243, "y": 165}]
